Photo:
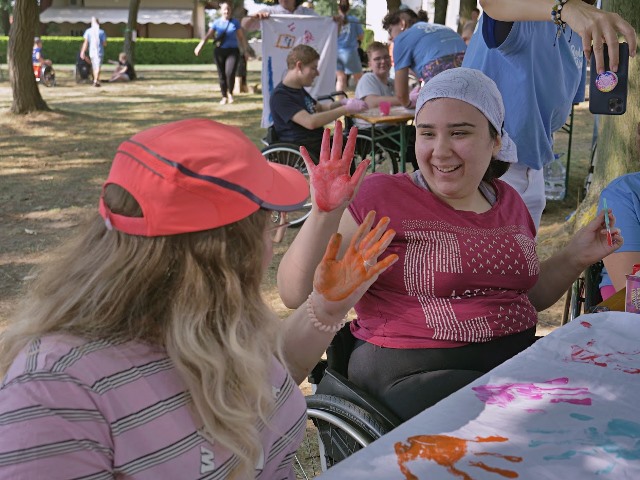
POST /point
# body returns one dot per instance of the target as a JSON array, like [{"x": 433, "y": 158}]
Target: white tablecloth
[{"x": 566, "y": 408}]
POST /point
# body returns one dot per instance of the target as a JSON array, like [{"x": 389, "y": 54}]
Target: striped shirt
[{"x": 72, "y": 408}]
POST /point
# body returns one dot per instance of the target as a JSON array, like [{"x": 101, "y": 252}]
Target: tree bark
[
  {"x": 26, "y": 95},
  {"x": 392, "y": 5},
  {"x": 440, "y": 11},
  {"x": 616, "y": 153},
  {"x": 132, "y": 25}
]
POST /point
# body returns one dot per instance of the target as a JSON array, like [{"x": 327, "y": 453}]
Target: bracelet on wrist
[
  {"x": 556, "y": 16},
  {"x": 323, "y": 327}
]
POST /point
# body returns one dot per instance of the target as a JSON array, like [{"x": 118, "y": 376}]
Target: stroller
[
  {"x": 84, "y": 72},
  {"x": 44, "y": 74}
]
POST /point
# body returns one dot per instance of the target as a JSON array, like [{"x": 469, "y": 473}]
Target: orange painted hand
[
  {"x": 338, "y": 280},
  {"x": 331, "y": 183}
]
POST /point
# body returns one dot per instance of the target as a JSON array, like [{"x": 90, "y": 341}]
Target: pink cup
[{"x": 385, "y": 108}]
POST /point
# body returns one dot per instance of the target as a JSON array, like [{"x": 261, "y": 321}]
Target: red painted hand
[
  {"x": 331, "y": 183},
  {"x": 337, "y": 279}
]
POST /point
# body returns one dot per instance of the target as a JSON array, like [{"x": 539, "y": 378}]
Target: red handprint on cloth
[
  {"x": 627, "y": 362},
  {"x": 448, "y": 451},
  {"x": 330, "y": 180},
  {"x": 505, "y": 394}
]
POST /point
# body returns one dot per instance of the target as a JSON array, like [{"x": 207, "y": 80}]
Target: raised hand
[
  {"x": 331, "y": 184},
  {"x": 598, "y": 26},
  {"x": 343, "y": 279}
]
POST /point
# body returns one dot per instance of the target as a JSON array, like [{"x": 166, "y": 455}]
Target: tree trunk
[
  {"x": 466, "y": 7},
  {"x": 26, "y": 95},
  {"x": 616, "y": 153},
  {"x": 132, "y": 25},
  {"x": 440, "y": 11},
  {"x": 392, "y": 5}
]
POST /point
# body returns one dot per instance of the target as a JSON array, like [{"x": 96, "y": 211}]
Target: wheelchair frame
[
  {"x": 342, "y": 418},
  {"x": 584, "y": 294}
]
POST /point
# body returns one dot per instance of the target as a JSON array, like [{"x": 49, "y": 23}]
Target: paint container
[{"x": 632, "y": 301}]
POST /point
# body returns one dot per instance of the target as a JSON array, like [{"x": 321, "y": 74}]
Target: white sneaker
[
  {"x": 230, "y": 98},
  {"x": 223, "y": 101}
]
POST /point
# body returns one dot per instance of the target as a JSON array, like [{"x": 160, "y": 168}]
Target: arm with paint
[
  {"x": 339, "y": 281},
  {"x": 332, "y": 188}
]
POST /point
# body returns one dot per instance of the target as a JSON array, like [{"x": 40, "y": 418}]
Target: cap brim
[{"x": 289, "y": 190}]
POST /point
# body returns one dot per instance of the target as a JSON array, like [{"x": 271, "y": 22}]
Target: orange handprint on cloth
[
  {"x": 337, "y": 279},
  {"x": 448, "y": 451},
  {"x": 330, "y": 180}
]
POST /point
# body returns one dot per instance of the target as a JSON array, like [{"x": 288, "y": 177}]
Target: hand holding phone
[{"x": 608, "y": 90}]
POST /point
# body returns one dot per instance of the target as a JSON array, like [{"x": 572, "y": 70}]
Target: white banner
[{"x": 280, "y": 33}]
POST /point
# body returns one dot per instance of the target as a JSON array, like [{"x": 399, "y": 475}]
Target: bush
[{"x": 158, "y": 51}]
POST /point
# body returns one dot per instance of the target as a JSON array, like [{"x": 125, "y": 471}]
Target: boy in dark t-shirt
[{"x": 297, "y": 117}]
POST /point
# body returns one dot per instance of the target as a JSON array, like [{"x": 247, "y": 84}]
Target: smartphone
[{"x": 613, "y": 102}]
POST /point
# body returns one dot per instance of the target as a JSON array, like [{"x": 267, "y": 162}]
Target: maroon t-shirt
[{"x": 462, "y": 277}]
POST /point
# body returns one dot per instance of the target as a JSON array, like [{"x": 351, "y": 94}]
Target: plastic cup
[{"x": 385, "y": 108}]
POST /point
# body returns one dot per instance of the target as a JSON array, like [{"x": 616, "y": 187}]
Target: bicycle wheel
[
  {"x": 336, "y": 428},
  {"x": 289, "y": 154},
  {"x": 384, "y": 160}
]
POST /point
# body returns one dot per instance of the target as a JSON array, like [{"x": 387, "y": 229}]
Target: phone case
[{"x": 613, "y": 102}]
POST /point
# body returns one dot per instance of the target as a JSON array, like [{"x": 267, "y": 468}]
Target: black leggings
[
  {"x": 226, "y": 62},
  {"x": 410, "y": 380}
]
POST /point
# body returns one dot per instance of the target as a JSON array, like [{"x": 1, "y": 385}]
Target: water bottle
[{"x": 555, "y": 175}]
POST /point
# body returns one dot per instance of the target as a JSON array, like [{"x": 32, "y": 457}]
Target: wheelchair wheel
[
  {"x": 289, "y": 154},
  {"x": 384, "y": 161},
  {"x": 584, "y": 294},
  {"x": 48, "y": 77},
  {"x": 336, "y": 429}
]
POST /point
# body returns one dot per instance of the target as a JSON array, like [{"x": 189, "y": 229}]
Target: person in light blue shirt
[
  {"x": 540, "y": 70},
  {"x": 424, "y": 48},
  {"x": 231, "y": 43},
  {"x": 94, "y": 41},
  {"x": 349, "y": 35},
  {"x": 623, "y": 199}
]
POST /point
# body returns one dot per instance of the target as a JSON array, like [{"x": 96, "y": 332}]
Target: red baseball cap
[{"x": 195, "y": 175}]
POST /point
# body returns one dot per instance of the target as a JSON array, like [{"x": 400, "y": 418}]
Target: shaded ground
[{"x": 52, "y": 164}]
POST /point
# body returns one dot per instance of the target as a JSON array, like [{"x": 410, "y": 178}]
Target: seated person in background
[
  {"x": 297, "y": 117},
  {"x": 124, "y": 71},
  {"x": 623, "y": 198},
  {"x": 376, "y": 86},
  {"x": 36, "y": 55},
  {"x": 465, "y": 292}
]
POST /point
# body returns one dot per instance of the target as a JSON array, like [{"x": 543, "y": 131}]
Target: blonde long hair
[{"x": 196, "y": 294}]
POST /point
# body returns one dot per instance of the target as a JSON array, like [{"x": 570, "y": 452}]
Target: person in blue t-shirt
[
  {"x": 623, "y": 199},
  {"x": 349, "y": 34},
  {"x": 425, "y": 48},
  {"x": 540, "y": 71},
  {"x": 230, "y": 44}
]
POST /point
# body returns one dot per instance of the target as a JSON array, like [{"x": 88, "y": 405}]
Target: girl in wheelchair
[
  {"x": 466, "y": 290},
  {"x": 42, "y": 67}
]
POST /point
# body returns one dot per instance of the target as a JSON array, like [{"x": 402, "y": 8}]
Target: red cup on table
[{"x": 385, "y": 108}]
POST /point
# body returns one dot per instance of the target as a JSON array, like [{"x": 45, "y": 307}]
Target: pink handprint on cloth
[
  {"x": 627, "y": 362},
  {"x": 505, "y": 394},
  {"x": 448, "y": 451}
]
